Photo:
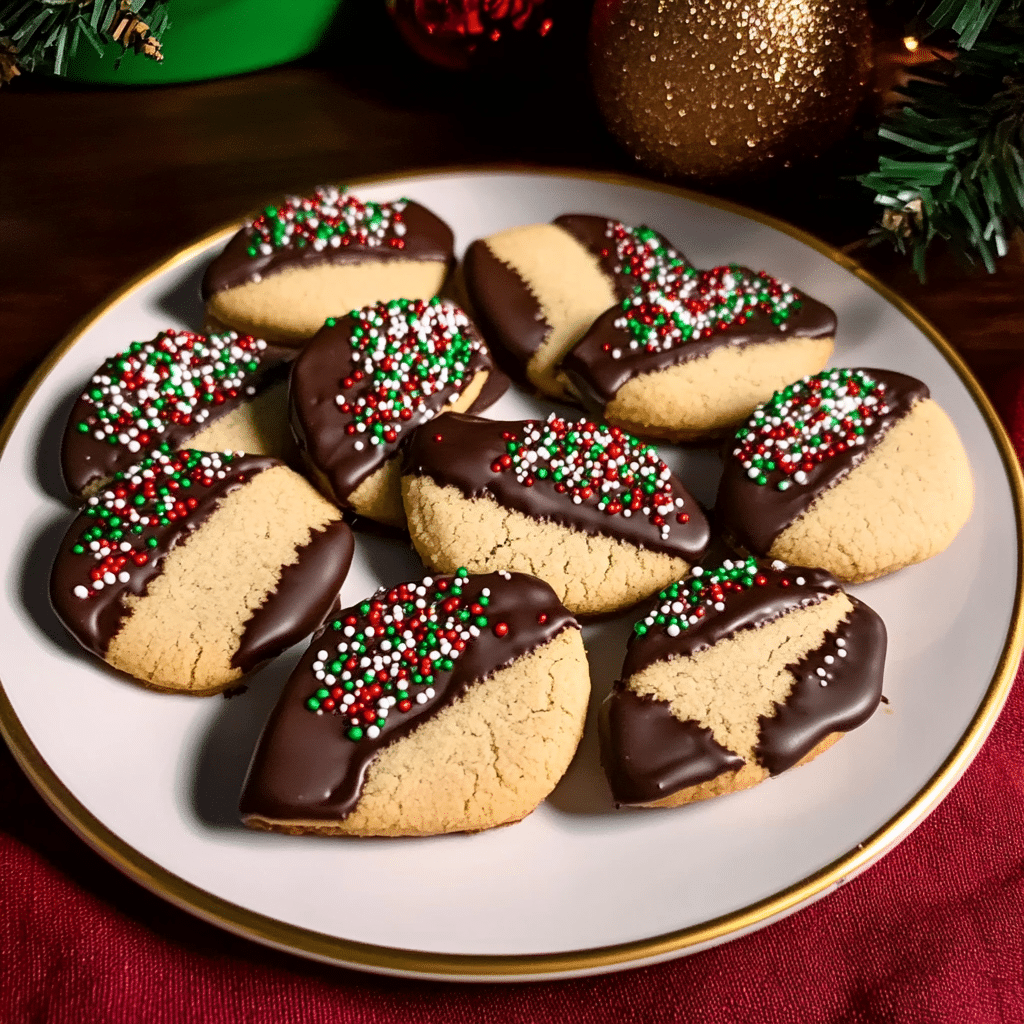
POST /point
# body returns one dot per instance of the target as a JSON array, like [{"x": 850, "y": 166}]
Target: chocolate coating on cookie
[
  {"x": 117, "y": 543},
  {"x": 838, "y": 686},
  {"x": 365, "y": 232},
  {"x": 649, "y": 333},
  {"x": 355, "y": 398},
  {"x": 750, "y": 594},
  {"x": 648, "y": 754},
  {"x": 163, "y": 391},
  {"x": 507, "y": 309},
  {"x": 826, "y": 436},
  {"x": 295, "y": 607},
  {"x": 575, "y": 481},
  {"x": 632, "y": 257},
  {"x": 308, "y": 765}
]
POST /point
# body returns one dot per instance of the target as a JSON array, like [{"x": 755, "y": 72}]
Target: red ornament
[{"x": 462, "y": 34}]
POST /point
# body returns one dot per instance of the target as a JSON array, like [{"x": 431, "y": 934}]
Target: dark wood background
[{"x": 98, "y": 183}]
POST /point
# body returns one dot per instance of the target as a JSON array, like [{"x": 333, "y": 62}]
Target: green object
[
  {"x": 951, "y": 162},
  {"x": 211, "y": 39}
]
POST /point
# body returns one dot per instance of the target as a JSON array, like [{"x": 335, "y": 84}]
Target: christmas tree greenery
[
  {"x": 951, "y": 161},
  {"x": 44, "y": 34}
]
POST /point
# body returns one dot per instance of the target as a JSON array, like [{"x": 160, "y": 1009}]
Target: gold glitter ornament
[{"x": 717, "y": 90}]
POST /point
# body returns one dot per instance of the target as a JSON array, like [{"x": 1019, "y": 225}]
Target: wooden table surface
[{"x": 98, "y": 183}]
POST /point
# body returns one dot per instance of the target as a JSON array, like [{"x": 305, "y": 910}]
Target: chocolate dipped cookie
[
  {"x": 693, "y": 359},
  {"x": 307, "y": 258},
  {"x": 857, "y": 471},
  {"x": 215, "y": 392},
  {"x": 192, "y": 568},
  {"x": 368, "y": 380},
  {"x": 448, "y": 704},
  {"x": 587, "y": 508},
  {"x": 536, "y": 289},
  {"x": 735, "y": 675}
]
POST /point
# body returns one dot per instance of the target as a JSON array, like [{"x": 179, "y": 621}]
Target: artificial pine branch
[
  {"x": 952, "y": 162},
  {"x": 44, "y": 34}
]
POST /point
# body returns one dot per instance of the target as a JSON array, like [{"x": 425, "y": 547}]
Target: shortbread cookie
[
  {"x": 193, "y": 568},
  {"x": 857, "y": 471},
  {"x": 536, "y": 289},
  {"x": 736, "y": 674},
  {"x": 452, "y": 704},
  {"x": 368, "y": 379},
  {"x": 305, "y": 259},
  {"x": 583, "y": 506},
  {"x": 214, "y": 392},
  {"x": 694, "y": 359}
]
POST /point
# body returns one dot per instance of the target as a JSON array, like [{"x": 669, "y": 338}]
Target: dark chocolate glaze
[
  {"x": 470, "y": 444},
  {"x": 503, "y": 303},
  {"x": 306, "y": 593},
  {"x": 305, "y": 766},
  {"x": 597, "y": 377},
  {"x": 591, "y": 233},
  {"x": 648, "y": 754},
  {"x": 93, "y": 621},
  {"x": 746, "y": 609},
  {"x": 86, "y": 462},
  {"x": 504, "y": 306},
  {"x": 812, "y": 711},
  {"x": 753, "y": 514},
  {"x": 319, "y": 425},
  {"x": 427, "y": 237}
]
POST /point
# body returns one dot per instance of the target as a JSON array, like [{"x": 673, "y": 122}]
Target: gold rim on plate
[{"x": 454, "y": 966}]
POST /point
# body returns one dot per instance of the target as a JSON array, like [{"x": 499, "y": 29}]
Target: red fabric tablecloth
[{"x": 934, "y": 932}]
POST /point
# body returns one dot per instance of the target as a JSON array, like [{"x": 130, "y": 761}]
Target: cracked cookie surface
[
  {"x": 194, "y": 568},
  {"x": 857, "y": 471},
  {"x": 737, "y": 674},
  {"x": 585, "y": 507},
  {"x": 450, "y": 704},
  {"x": 307, "y": 258}
]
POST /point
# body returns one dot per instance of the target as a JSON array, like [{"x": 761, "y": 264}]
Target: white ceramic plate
[{"x": 151, "y": 780}]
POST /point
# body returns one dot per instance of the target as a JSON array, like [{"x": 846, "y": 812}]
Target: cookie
[
  {"x": 536, "y": 289},
  {"x": 693, "y": 360},
  {"x": 587, "y": 508},
  {"x": 451, "y": 704},
  {"x": 214, "y": 392},
  {"x": 193, "y": 568},
  {"x": 308, "y": 258},
  {"x": 368, "y": 379},
  {"x": 857, "y": 471},
  {"x": 734, "y": 675}
]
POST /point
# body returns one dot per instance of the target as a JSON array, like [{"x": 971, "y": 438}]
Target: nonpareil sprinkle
[
  {"x": 403, "y": 352},
  {"x": 177, "y": 379},
  {"x": 699, "y": 304},
  {"x": 642, "y": 255},
  {"x": 594, "y": 463},
  {"x": 806, "y": 423},
  {"x": 128, "y": 514},
  {"x": 328, "y": 219},
  {"x": 682, "y": 605},
  {"x": 382, "y": 658}
]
